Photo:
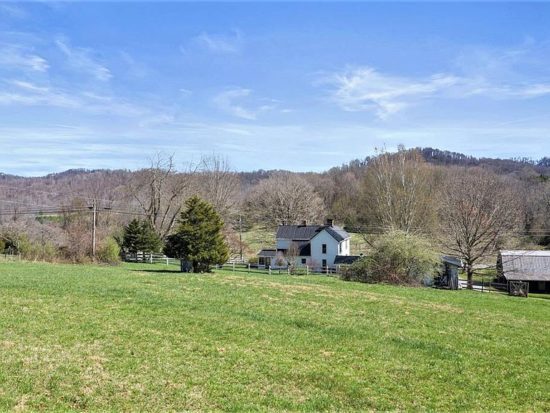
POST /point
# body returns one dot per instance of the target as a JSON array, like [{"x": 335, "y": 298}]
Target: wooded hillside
[{"x": 404, "y": 190}]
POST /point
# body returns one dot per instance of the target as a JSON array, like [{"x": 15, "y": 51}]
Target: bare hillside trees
[
  {"x": 160, "y": 192},
  {"x": 284, "y": 197},
  {"x": 479, "y": 211},
  {"x": 399, "y": 192},
  {"x": 218, "y": 184}
]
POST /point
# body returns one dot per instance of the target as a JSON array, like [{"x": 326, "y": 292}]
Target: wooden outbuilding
[{"x": 531, "y": 268}]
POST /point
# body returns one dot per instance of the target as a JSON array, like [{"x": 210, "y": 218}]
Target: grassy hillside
[{"x": 141, "y": 337}]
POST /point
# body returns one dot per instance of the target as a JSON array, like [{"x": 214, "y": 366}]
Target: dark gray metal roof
[
  {"x": 298, "y": 232},
  {"x": 267, "y": 253},
  {"x": 524, "y": 265},
  {"x": 451, "y": 260},
  {"x": 337, "y": 233},
  {"x": 307, "y": 232},
  {"x": 346, "y": 259}
]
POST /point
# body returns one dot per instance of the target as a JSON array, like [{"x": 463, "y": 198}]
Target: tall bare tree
[
  {"x": 284, "y": 197},
  {"x": 160, "y": 192},
  {"x": 399, "y": 191},
  {"x": 218, "y": 184},
  {"x": 479, "y": 211}
]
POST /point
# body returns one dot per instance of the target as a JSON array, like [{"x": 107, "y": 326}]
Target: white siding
[
  {"x": 334, "y": 248},
  {"x": 317, "y": 255}
]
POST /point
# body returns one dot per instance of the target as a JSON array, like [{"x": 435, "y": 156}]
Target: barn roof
[{"x": 525, "y": 265}]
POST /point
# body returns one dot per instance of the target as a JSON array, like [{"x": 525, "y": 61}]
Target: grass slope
[{"x": 139, "y": 337}]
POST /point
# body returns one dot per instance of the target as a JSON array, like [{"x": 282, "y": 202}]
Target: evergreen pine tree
[
  {"x": 139, "y": 236},
  {"x": 198, "y": 237}
]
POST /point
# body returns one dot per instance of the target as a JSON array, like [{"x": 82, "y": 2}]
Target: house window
[
  {"x": 303, "y": 261},
  {"x": 324, "y": 263},
  {"x": 324, "y": 248},
  {"x": 339, "y": 248}
]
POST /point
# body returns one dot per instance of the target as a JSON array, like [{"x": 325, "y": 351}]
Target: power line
[{"x": 15, "y": 188}]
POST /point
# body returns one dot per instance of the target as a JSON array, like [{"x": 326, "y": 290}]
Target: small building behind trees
[
  {"x": 530, "y": 267},
  {"x": 448, "y": 276}
]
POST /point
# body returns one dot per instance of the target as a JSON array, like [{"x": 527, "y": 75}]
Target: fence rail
[
  {"x": 10, "y": 257},
  {"x": 486, "y": 286},
  {"x": 150, "y": 258},
  {"x": 261, "y": 269}
]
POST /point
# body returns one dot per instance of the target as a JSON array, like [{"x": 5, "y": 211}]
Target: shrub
[
  {"x": 397, "y": 258},
  {"x": 2, "y": 246},
  {"x": 109, "y": 251},
  {"x": 356, "y": 272}
]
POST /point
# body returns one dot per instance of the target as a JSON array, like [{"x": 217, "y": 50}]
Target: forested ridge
[{"x": 406, "y": 190}]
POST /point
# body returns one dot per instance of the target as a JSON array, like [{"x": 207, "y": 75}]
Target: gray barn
[{"x": 532, "y": 267}]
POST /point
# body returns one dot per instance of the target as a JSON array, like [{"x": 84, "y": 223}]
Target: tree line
[{"x": 468, "y": 207}]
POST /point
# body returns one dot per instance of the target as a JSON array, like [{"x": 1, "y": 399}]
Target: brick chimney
[
  {"x": 304, "y": 223},
  {"x": 330, "y": 221}
]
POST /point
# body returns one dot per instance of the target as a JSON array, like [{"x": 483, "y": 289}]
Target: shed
[
  {"x": 448, "y": 277},
  {"x": 265, "y": 257},
  {"x": 532, "y": 267}
]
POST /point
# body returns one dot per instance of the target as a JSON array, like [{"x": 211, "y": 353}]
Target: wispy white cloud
[
  {"x": 236, "y": 102},
  {"x": 156, "y": 120},
  {"x": 24, "y": 93},
  {"x": 21, "y": 57},
  {"x": 366, "y": 89},
  {"x": 82, "y": 59},
  {"x": 28, "y": 94},
  {"x": 220, "y": 43},
  {"x": 12, "y": 10}
]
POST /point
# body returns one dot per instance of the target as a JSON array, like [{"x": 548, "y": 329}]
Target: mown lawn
[{"x": 140, "y": 337}]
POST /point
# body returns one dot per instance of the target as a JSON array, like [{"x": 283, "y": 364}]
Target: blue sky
[{"x": 299, "y": 86}]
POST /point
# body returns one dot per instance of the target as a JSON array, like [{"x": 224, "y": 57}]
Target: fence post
[
  {"x": 151, "y": 258},
  {"x": 233, "y": 266},
  {"x": 307, "y": 269},
  {"x": 288, "y": 270},
  {"x": 248, "y": 268},
  {"x": 270, "y": 270},
  {"x": 166, "y": 260}
]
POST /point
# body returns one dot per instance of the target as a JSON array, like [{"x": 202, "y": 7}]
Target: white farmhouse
[{"x": 320, "y": 247}]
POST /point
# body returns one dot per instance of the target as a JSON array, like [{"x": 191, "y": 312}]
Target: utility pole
[
  {"x": 94, "y": 223},
  {"x": 241, "y": 236}
]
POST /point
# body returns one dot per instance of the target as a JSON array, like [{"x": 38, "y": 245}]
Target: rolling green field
[{"x": 142, "y": 337}]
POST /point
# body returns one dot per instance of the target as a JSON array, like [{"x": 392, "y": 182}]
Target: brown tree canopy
[
  {"x": 160, "y": 192},
  {"x": 399, "y": 192},
  {"x": 284, "y": 197},
  {"x": 479, "y": 211}
]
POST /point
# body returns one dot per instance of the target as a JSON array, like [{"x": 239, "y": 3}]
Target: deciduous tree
[
  {"x": 479, "y": 212},
  {"x": 284, "y": 197}
]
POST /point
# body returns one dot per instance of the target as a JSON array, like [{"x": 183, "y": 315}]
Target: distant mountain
[
  {"x": 431, "y": 155},
  {"x": 501, "y": 166}
]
